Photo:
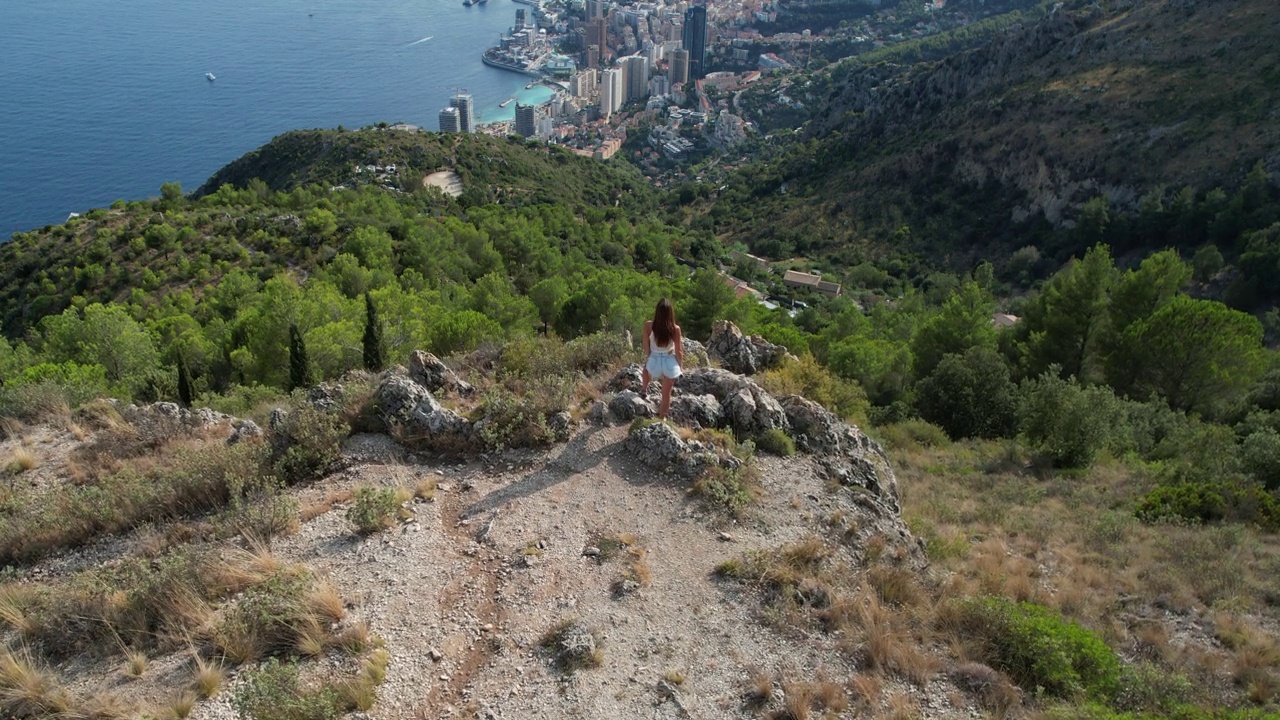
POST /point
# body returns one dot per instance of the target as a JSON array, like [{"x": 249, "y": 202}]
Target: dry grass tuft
[
  {"x": 183, "y": 704},
  {"x": 759, "y": 687},
  {"x": 355, "y": 638},
  {"x": 324, "y": 601},
  {"x": 207, "y": 677},
  {"x": 16, "y": 603},
  {"x": 902, "y": 707},
  {"x": 135, "y": 663},
  {"x": 22, "y": 461},
  {"x": 866, "y": 689},
  {"x": 26, "y": 690},
  {"x": 425, "y": 490},
  {"x": 797, "y": 700},
  {"x": 675, "y": 677}
]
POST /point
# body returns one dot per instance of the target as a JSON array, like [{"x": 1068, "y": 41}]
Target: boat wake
[{"x": 415, "y": 42}]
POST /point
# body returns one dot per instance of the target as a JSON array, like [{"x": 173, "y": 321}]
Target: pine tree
[
  {"x": 374, "y": 360},
  {"x": 299, "y": 363},
  {"x": 184, "y": 383}
]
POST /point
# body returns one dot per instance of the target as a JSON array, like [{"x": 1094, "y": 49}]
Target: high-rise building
[
  {"x": 659, "y": 85},
  {"x": 593, "y": 56},
  {"x": 611, "y": 91},
  {"x": 597, "y": 35},
  {"x": 695, "y": 41},
  {"x": 526, "y": 120},
  {"x": 635, "y": 73},
  {"x": 679, "y": 66},
  {"x": 583, "y": 85},
  {"x": 466, "y": 112},
  {"x": 449, "y": 121},
  {"x": 520, "y": 17},
  {"x": 595, "y": 9}
]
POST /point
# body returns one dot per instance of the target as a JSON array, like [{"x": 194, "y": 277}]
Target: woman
[{"x": 664, "y": 348}]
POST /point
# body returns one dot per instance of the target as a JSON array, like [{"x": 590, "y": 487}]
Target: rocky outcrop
[
  {"x": 165, "y": 418},
  {"x": 660, "y": 446},
  {"x": 695, "y": 353},
  {"x": 696, "y": 411},
  {"x": 628, "y": 378},
  {"x": 415, "y": 417},
  {"x": 745, "y": 407},
  {"x": 627, "y": 405},
  {"x": 845, "y": 453},
  {"x": 743, "y": 354},
  {"x": 431, "y": 373}
]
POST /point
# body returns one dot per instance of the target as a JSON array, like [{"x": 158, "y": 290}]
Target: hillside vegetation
[
  {"x": 493, "y": 170},
  {"x": 1141, "y": 104}
]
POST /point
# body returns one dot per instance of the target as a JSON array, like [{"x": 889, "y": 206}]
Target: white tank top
[{"x": 653, "y": 345}]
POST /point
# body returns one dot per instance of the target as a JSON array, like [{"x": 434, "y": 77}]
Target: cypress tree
[
  {"x": 373, "y": 356},
  {"x": 184, "y": 383},
  {"x": 299, "y": 363}
]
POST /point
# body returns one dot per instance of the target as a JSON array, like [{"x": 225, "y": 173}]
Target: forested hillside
[{"x": 1119, "y": 112}]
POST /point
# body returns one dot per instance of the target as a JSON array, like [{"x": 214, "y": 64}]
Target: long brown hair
[{"x": 664, "y": 323}]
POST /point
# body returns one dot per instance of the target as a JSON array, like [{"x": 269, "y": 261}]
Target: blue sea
[{"x": 107, "y": 100}]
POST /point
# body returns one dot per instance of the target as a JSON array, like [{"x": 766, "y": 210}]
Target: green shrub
[
  {"x": 970, "y": 395},
  {"x": 1260, "y": 457},
  {"x": 1148, "y": 687},
  {"x": 515, "y": 413},
  {"x": 1211, "y": 501},
  {"x": 808, "y": 378},
  {"x": 374, "y": 509},
  {"x": 307, "y": 444},
  {"x": 241, "y": 400},
  {"x": 272, "y": 692},
  {"x": 776, "y": 442},
  {"x": 912, "y": 433},
  {"x": 1067, "y": 422},
  {"x": 1042, "y": 651},
  {"x": 1094, "y": 711},
  {"x": 593, "y": 353},
  {"x": 727, "y": 491},
  {"x": 267, "y": 619}
]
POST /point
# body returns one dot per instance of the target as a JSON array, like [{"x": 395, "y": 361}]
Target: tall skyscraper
[
  {"x": 449, "y": 121},
  {"x": 595, "y": 9},
  {"x": 635, "y": 73},
  {"x": 611, "y": 91},
  {"x": 526, "y": 120},
  {"x": 695, "y": 41},
  {"x": 679, "y": 66},
  {"x": 466, "y": 112},
  {"x": 597, "y": 35}
]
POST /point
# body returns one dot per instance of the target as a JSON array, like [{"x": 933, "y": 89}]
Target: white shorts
[{"x": 662, "y": 365}]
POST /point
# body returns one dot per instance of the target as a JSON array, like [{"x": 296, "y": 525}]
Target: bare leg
[
  {"x": 667, "y": 384},
  {"x": 645, "y": 379}
]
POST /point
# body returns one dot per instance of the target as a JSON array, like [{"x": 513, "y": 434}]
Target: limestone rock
[
  {"x": 325, "y": 396},
  {"x": 415, "y": 417},
  {"x": 702, "y": 411},
  {"x": 695, "y": 354},
  {"x": 751, "y": 411},
  {"x": 659, "y": 446},
  {"x": 561, "y": 425},
  {"x": 626, "y": 406},
  {"x": 846, "y": 454},
  {"x": 431, "y": 373},
  {"x": 742, "y": 353},
  {"x": 628, "y": 378},
  {"x": 242, "y": 430}
]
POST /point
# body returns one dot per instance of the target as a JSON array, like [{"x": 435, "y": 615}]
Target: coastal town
[{"x": 668, "y": 76}]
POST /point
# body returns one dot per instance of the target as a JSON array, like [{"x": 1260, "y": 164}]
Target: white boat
[{"x": 211, "y": 76}]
